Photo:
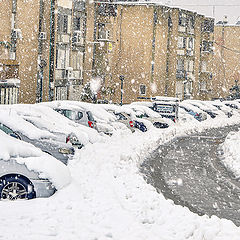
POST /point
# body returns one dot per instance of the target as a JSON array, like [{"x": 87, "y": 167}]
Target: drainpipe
[
  {"x": 51, "y": 45},
  {"x": 155, "y": 19},
  {"x": 13, "y": 26}
]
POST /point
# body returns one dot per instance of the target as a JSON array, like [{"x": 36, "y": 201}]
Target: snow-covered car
[
  {"x": 47, "y": 121},
  {"x": 167, "y": 107},
  {"x": 194, "y": 111},
  {"x": 59, "y": 150},
  {"x": 222, "y": 107},
  {"x": 26, "y": 172},
  {"x": 185, "y": 117},
  {"x": 212, "y": 111},
  {"x": 235, "y": 105},
  {"x": 127, "y": 116},
  {"x": 78, "y": 115},
  {"x": 124, "y": 119},
  {"x": 143, "y": 112}
]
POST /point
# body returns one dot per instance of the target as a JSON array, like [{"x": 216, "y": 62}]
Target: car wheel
[{"x": 13, "y": 188}]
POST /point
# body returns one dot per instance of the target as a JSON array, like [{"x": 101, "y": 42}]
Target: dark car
[
  {"x": 57, "y": 149},
  {"x": 140, "y": 125}
]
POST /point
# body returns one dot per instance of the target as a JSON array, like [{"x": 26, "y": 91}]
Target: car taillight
[
  {"x": 90, "y": 124},
  {"x": 131, "y": 123},
  {"x": 68, "y": 139}
]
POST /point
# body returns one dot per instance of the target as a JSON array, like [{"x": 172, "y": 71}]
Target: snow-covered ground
[{"x": 109, "y": 199}]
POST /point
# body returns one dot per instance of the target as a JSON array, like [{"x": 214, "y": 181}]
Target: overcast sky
[{"x": 231, "y": 8}]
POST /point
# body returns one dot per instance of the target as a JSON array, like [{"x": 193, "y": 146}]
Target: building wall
[
  {"x": 5, "y": 16},
  {"x": 138, "y": 42},
  {"x": 226, "y": 60},
  {"x": 143, "y": 47},
  {"x": 27, "y": 20}
]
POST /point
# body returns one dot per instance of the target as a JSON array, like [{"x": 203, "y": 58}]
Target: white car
[
  {"x": 26, "y": 172},
  {"x": 146, "y": 113}
]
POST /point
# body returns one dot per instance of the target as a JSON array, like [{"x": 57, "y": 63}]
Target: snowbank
[{"x": 231, "y": 157}]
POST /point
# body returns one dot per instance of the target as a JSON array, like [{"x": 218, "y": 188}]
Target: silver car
[
  {"x": 18, "y": 182},
  {"x": 59, "y": 150},
  {"x": 78, "y": 115}
]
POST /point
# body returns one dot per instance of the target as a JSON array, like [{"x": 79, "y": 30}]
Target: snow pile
[
  {"x": 34, "y": 159},
  {"x": 231, "y": 157},
  {"x": 108, "y": 198}
]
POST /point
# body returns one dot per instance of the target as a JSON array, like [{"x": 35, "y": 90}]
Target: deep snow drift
[{"x": 109, "y": 199}]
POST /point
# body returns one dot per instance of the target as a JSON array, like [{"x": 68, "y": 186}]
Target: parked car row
[{"x": 52, "y": 132}]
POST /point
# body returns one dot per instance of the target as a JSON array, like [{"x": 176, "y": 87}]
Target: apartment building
[
  {"x": 9, "y": 77},
  {"x": 134, "y": 50},
  {"x": 22, "y": 26},
  {"x": 146, "y": 49},
  {"x": 43, "y": 41},
  {"x": 226, "y": 58}
]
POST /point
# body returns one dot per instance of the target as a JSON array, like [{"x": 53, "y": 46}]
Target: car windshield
[
  {"x": 90, "y": 116},
  {"x": 120, "y": 116},
  {"x": 5, "y": 129},
  {"x": 165, "y": 108},
  {"x": 70, "y": 114}
]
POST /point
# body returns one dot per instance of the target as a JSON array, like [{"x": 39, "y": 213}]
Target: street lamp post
[{"x": 122, "y": 79}]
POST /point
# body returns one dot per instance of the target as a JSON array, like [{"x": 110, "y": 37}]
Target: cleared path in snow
[{"x": 189, "y": 171}]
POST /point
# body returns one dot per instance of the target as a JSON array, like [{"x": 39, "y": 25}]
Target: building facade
[
  {"x": 9, "y": 66},
  {"x": 143, "y": 50},
  {"x": 226, "y": 59},
  {"x": 134, "y": 50}
]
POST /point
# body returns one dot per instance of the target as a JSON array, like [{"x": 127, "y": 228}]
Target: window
[
  {"x": 207, "y": 46},
  {"x": 61, "y": 93},
  {"x": 142, "y": 89},
  {"x": 2, "y": 95},
  {"x": 103, "y": 33},
  {"x": 208, "y": 26},
  {"x": 191, "y": 22},
  {"x": 62, "y": 57},
  {"x": 90, "y": 117},
  {"x": 79, "y": 115},
  {"x": 76, "y": 23},
  {"x": 189, "y": 65},
  {"x": 181, "y": 42},
  {"x": 6, "y": 129},
  {"x": 180, "y": 68},
  {"x": 62, "y": 24},
  {"x": 204, "y": 66},
  {"x": 106, "y": 9},
  {"x": 77, "y": 60},
  {"x": 182, "y": 19},
  {"x": 190, "y": 45},
  {"x": 203, "y": 86},
  {"x": 79, "y": 6}
]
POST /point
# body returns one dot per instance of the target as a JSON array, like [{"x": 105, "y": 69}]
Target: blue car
[{"x": 141, "y": 126}]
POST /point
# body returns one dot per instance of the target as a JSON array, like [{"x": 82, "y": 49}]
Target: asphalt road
[{"x": 189, "y": 171}]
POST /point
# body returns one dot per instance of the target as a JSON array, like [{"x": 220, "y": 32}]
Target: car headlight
[{"x": 64, "y": 150}]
